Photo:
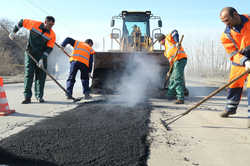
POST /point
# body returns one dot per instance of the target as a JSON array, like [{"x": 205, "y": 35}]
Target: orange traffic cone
[{"x": 4, "y": 106}]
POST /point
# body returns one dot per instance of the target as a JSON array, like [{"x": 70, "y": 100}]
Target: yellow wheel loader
[{"x": 134, "y": 39}]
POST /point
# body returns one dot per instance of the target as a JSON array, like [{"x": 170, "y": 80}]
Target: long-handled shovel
[
  {"x": 91, "y": 75},
  {"x": 74, "y": 99},
  {"x": 175, "y": 118},
  {"x": 171, "y": 66},
  {"x": 153, "y": 43}
]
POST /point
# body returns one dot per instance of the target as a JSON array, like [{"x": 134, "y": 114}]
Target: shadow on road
[
  {"x": 238, "y": 117},
  {"x": 28, "y": 115},
  {"x": 13, "y": 160},
  {"x": 57, "y": 102},
  {"x": 221, "y": 127}
]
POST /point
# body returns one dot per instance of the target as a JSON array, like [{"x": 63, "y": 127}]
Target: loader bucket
[{"x": 110, "y": 67}]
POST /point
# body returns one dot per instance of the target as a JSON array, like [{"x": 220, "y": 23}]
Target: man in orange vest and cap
[
  {"x": 236, "y": 41},
  {"x": 81, "y": 59},
  {"x": 40, "y": 44},
  {"x": 176, "y": 86}
]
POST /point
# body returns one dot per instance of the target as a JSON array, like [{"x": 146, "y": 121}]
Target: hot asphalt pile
[{"x": 96, "y": 134}]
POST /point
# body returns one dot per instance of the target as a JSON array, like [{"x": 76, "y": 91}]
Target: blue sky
[{"x": 83, "y": 19}]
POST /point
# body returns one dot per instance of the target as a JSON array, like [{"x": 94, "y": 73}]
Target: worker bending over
[
  {"x": 176, "y": 85},
  {"x": 40, "y": 44},
  {"x": 81, "y": 59},
  {"x": 236, "y": 41}
]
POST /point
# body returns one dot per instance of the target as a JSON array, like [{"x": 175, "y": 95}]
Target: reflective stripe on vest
[
  {"x": 80, "y": 54},
  {"x": 171, "y": 52},
  {"x": 233, "y": 53},
  {"x": 76, "y": 48},
  {"x": 232, "y": 102},
  {"x": 234, "y": 41},
  {"x": 40, "y": 33}
]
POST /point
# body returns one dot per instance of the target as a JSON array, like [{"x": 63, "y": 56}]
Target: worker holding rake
[
  {"x": 178, "y": 60},
  {"x": 236, "y": 41}
]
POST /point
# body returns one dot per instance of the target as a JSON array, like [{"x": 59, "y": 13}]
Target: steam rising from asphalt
[
  {"x": 143, "y": 73},
  {"x": 58, "y": 64}
]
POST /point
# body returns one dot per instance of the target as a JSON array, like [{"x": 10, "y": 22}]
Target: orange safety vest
[
  {"x": 34, "y": 26},
  {"x": 234, "y": 41},
  {"x": 82, "y": 52},
  {"x": 171, "y": 48}
]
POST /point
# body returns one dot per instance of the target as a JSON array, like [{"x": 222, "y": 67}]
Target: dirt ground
[{"x": 49, "y": 133}]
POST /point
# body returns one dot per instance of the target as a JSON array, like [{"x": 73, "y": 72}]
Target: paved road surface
[{"x": 199, "y": 138}]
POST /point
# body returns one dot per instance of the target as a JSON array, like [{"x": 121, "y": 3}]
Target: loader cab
[
  {"x": 135, "y": 32},
  {"x": 133, "y": 20}
]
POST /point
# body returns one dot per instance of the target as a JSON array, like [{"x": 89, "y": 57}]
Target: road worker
[
  {"x": 176, "y": 86},
  {"x": 81, "y": 59},
  {"x": 40, "y": 44},
  {"x": 236, "y": 41}
]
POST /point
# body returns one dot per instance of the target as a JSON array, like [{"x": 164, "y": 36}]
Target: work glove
[
  {"x": 12, "y": 36},
  {"x": 90, "y": 76},
  {"x": 178, "y": 45},
  {"x": 245, "y": 51},
  {"x": 40, "y": 63},
  {"x": 247, "y": 65}
]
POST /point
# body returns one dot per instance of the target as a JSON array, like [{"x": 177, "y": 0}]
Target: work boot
[
  {"x": 69, "y": 97},
  {"x": 186, "y": 92},
  {"x": 226, "y": 113},
  {"x": 179, "y": 101},
  {"x": 26, "y": 101},
  {"x": 40, "y": 100},
  {"x": 87, "y": 96}
]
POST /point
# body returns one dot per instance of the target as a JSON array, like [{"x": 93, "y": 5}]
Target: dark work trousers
[
  {"x": 74, "y": 67},
  {"x": 176, "y": 84},
  {"x": 40, "y": 76}
]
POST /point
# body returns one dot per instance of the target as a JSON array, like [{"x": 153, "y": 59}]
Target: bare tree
[{"x": 11, "y": 55}]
